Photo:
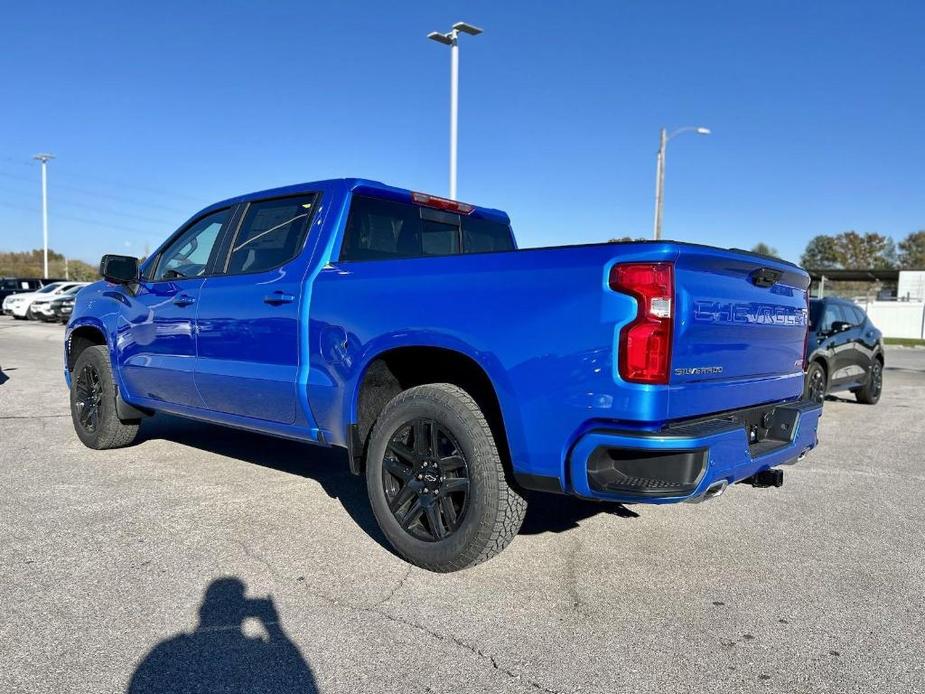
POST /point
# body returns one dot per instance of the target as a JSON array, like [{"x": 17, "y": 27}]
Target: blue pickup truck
[{"x": 458, "y": 371}]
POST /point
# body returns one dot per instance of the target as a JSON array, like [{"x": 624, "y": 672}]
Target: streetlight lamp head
[
  {"x": 441, "y": 38},
  {"x": 42, "y": 156},
  {"x": 467, "y": 28},
  {"x": 703, "y": 131}
]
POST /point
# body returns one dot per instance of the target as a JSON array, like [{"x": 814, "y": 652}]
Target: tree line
[
  {"x": 850, "y": 250},
  {"x": 30, "y": 264}
]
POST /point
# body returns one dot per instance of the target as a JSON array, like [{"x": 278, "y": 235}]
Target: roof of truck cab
[{"x": 360, "y": 185}]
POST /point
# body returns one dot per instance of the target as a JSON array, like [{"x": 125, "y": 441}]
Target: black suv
[
  {"x": 845, "y": 351},
  {"x": 18, "y": 285}
]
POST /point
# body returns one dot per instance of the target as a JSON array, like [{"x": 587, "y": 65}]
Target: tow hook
[{"x": 766, "y": 478}]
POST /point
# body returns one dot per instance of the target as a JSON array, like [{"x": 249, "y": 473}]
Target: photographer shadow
[{"x": 239, "y": 645}]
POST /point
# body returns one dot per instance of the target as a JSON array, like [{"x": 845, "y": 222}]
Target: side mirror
[
  {"x": 119, "y": 269},
  {"x": 840, "y": 326}
]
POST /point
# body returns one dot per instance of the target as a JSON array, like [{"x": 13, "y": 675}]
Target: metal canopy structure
[{"x": 887, "y": 275}]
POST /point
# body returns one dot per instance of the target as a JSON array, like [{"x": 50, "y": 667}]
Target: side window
[
  {"x": 188, "y": 256},
  {"x": 484, "y": 236},
  {"x": 832, "y": 314},
  {"x": 272, "y": 233},
  {"x": 380, "y": 229},
  {"x": 859, "y": 315}
]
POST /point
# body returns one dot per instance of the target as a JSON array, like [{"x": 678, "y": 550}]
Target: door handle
[
  {"x": 184, "y": 300},
  {"x": 278, "y": 297}
]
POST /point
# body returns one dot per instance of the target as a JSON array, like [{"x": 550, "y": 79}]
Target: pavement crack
[
  {"x": 397, "y": 587},
  {"x": 571, "y": 576},
  {"x": 256, "y": 557},
  {"x": 377, "y": 610}
]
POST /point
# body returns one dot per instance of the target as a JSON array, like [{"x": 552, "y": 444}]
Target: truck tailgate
[{"x": 739, "y": 330}]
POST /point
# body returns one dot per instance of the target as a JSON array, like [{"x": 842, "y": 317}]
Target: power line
[
  {"x": 81, "y": 220},
  {"x": 114, "y": 212},
  {"x": 121, "y": 184},
  {"x": 108, "y": 196}
]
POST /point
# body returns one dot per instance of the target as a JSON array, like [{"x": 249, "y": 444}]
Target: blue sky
[{"x": 157, "y": 109}]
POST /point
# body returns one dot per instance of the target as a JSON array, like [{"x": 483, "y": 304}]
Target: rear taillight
[
  {"x": 645, "y": 343},
  {"x": 441, "y": 203}
]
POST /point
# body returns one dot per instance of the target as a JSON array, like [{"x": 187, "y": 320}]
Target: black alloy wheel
[
  {"x": 89, "y": 397},
  {"x": 425, "y": 478},
  {"x": 815, "y": 383},
  {"x": 876, "y": 379},
  {"x": 870, "y": 393},
  {"x": 93, "y": 402}
]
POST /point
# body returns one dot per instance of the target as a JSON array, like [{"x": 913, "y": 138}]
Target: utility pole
[
  {"x": 663, "y": 139},
  {"x": 44, "y": 159},
  {"x": 659, "y": 182},
  {"x": 451, "y": 39}
]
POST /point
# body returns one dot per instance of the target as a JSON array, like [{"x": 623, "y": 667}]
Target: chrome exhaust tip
[
  {"x": 716, "y": 489},
  {"x": 713, "y": 491}
]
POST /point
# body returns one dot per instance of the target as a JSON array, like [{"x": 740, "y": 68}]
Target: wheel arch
[
  {"x": 79, "y": 338},
  {"x": 396, "y": 369}
]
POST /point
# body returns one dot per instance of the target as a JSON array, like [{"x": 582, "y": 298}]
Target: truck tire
[
  {"x": 435, "y": 480},
  {"x": 93, "y": 403},
  {"x": 816, "y": 383},
  {"x": 869, "y": 393}
]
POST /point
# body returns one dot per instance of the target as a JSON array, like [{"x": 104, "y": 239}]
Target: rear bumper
[{"x": 690, "y": 461}]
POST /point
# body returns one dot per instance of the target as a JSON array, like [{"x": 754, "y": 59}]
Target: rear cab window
[{"x": 380, "y": 229}]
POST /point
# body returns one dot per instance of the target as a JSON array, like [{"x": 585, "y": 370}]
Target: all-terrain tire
[
  {"x": 494, "y": 510},
  {"x": 816, "y": 383},
  {"x": 869, "y": 393},
  {"x": 93, "y": 402}
]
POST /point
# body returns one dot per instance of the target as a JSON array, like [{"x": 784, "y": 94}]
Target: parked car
[
  {"x": 62, "y": 308},
  {"x": 845, "y": 352},
  {"x": 42, "y": 309},
  {"x": 18, "y": 285},
  {"x": 20, "y": 305},
  {"x": 457, "y": 371}
]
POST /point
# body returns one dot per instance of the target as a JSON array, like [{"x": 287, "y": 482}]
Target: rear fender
[{"x": 488, "y": 362}]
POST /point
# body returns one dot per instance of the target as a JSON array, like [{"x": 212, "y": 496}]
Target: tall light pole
[
  {"x": 660, "y": 172},
  {"x": 44, "y": 159},
  {"x": 451, "y": 39}
]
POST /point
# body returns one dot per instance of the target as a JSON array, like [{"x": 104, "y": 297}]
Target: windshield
[
  {"x": 49, "y": 288},
  {"x": 815, "y": 313},
  {"x": 73, "y": 290}
]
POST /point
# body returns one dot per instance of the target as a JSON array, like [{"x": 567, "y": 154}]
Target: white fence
[{"x": 898, "y": 318}]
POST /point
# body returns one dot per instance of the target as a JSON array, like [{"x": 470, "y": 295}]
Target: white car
[
  {"x": 20, "y": 305},
  {"x": 41, "y": 306}
]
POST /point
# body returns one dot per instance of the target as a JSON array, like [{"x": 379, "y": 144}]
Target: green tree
[
  {"x": 623, "y": 239},
  {"x": 764, "y": 249},
  {"x": 861, "y": 251},
  {"x": 912, "y": 251},
  {"x": 820, "y": 254},
  {"x": 30, "y": 263},
  {"x": 849, "y": 250}
]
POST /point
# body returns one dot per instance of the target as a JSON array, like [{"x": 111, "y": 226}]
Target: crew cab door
[
  {"x": 248, "y": 322},
  {"x": 157, "y": 346}
]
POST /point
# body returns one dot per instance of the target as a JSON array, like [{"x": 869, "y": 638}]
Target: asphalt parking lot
[{"x": 109, "y": 559}]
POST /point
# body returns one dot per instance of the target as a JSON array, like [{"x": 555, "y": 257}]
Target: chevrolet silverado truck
[{"x": 458, "y": 371}]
